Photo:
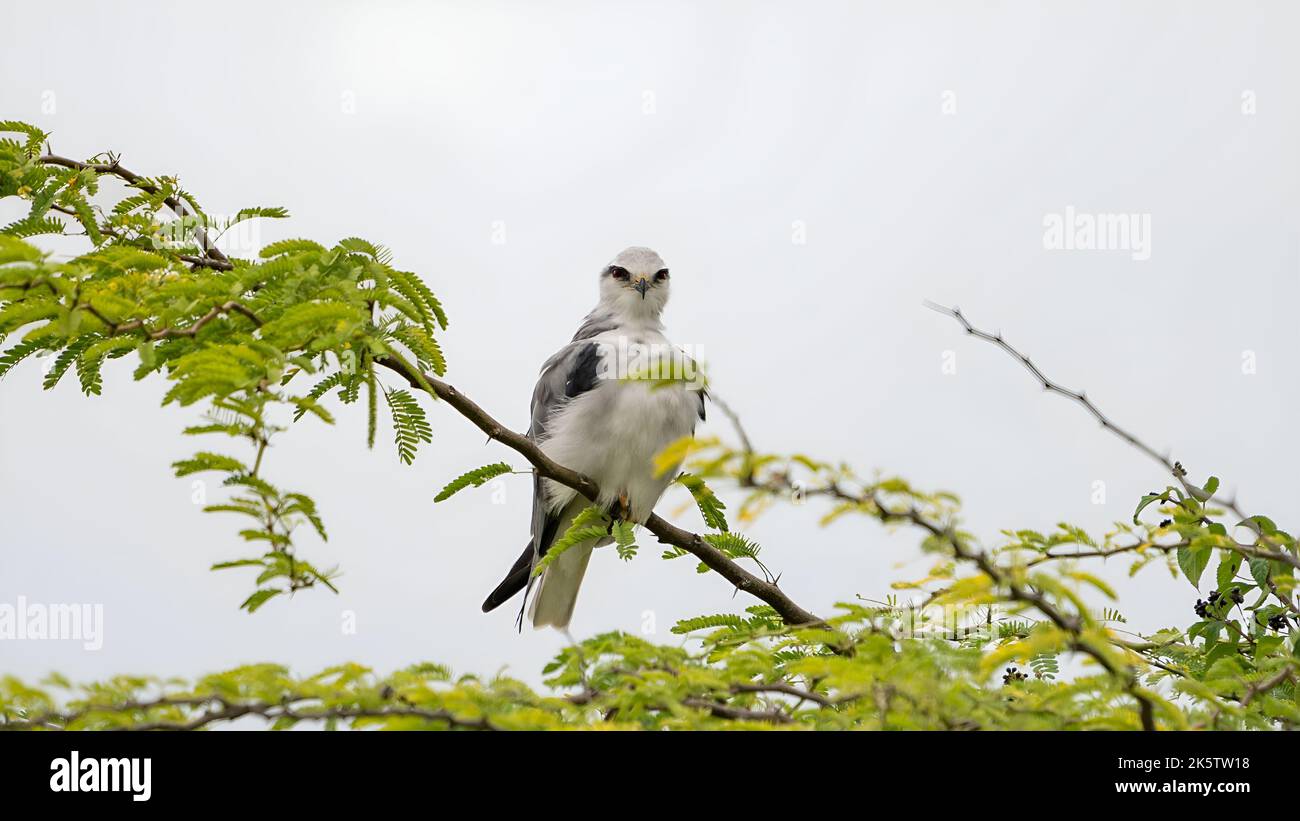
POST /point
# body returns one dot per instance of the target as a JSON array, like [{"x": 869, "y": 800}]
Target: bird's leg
[{"x": 624, "y": 507}]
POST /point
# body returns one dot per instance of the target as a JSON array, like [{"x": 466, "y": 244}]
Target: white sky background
[{"x": 534, "y": 115}]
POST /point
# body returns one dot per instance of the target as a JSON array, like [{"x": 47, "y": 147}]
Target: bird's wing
[{"x": 572, "y": 371}]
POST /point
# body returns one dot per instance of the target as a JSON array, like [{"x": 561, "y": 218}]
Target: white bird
[{"x": 595, "y": 412}]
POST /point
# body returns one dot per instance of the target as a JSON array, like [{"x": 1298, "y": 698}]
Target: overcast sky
[{"x": 810, "y": 172}]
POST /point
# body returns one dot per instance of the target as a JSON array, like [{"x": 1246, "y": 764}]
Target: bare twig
[
  {"x": 1174, "y": 468},
  {"x": 1077, "y": 396}
]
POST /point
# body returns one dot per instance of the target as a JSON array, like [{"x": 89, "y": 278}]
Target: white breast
[{"x": 613, "y": 432}]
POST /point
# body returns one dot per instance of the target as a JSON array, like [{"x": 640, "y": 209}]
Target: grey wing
[{"x": 573, "y": 370}]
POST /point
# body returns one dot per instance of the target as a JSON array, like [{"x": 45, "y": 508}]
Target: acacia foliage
[
  {"x": 258, "y": 343},
  {"x": 983, "y": 641}
]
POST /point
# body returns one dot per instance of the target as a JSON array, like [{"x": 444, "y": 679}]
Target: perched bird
[{"x": 595, "y": 411}]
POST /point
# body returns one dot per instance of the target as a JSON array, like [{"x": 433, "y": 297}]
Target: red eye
[
  {"x": 618, "y": 273},
  {"x": 661, "y": 275}
]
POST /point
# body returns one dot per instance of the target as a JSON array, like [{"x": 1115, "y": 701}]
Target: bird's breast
[{"x": 613, "y": 432}]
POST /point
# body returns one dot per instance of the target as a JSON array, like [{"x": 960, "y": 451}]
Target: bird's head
[{"x": 635, "y": 283}]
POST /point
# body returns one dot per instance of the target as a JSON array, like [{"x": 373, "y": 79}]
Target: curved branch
[
  {"x": 1175, "y": 468},
  {"x": 664, "y": 531},
  {"x": 1048, "y": 385}
]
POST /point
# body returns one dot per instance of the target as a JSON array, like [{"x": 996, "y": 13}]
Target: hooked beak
[{"x": 642, "y": 285}]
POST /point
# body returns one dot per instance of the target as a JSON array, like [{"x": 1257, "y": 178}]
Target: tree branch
[
  {"x": 1175, "y": 468},
  {"x": 664, "y": 531},
  {"x": 215, "y": 259},
  {"x": 1048, "y": 385},
  {"x": 226, "y": 710}
]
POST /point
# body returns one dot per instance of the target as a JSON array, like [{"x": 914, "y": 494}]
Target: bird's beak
[{"x": 642, "y": 285}]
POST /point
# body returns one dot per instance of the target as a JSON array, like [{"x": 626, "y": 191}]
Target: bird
[{"x": 594, "y": 412}]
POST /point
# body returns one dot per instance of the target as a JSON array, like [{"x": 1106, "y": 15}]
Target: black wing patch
[{"x": 586, "y": 372}]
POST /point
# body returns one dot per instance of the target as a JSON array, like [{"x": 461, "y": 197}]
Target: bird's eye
[
  {"x": 618, "y": 273},
  {"x": 661, "y": 275}
]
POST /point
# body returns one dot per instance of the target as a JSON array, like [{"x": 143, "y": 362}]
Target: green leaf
[
  {"x": 290, "y": 246},
  {"x": 258, "y": 599},
  {"x": 410, "y": 426},
  {"x": 422, "y": 344},
  {"x": 1259, "y": 524},
  {"x": 18, "y": 353},
  {"x": 473, "y": 478},
  {"x": 589, "y": 525},
  {"x": 237, "y": 563},
  {"x": 1146, "y": 500},
  {"x": 1229, "y": 564},
  {"x": 1193, "y": 561},
  {"x": 318, "y": 390},
  {"x": 710, "y": 505},
  {"x": 734, "y": 545},
  {"x": 208, "y": 461},
  {"x": 624, "y": 534},
  {"x": 1259, "y": 572},
  {"x": 372, "y": 401}
]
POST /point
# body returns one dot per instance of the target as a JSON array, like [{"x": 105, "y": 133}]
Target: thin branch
[
  {"x": 206, "y": 262},
  {"x": 1077, "y": 396},
  {"x": 720, "y": 710},
  {"x": 226, "y": 710},
  {"x": 191, "y": 330},
  {"x": 1175, "y": 468},
  {"x": 746, "y": 446},
  {"x": 114, "y": 168}
]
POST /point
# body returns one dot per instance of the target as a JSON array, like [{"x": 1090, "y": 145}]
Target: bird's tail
[{"x": 552, "y": 604}]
